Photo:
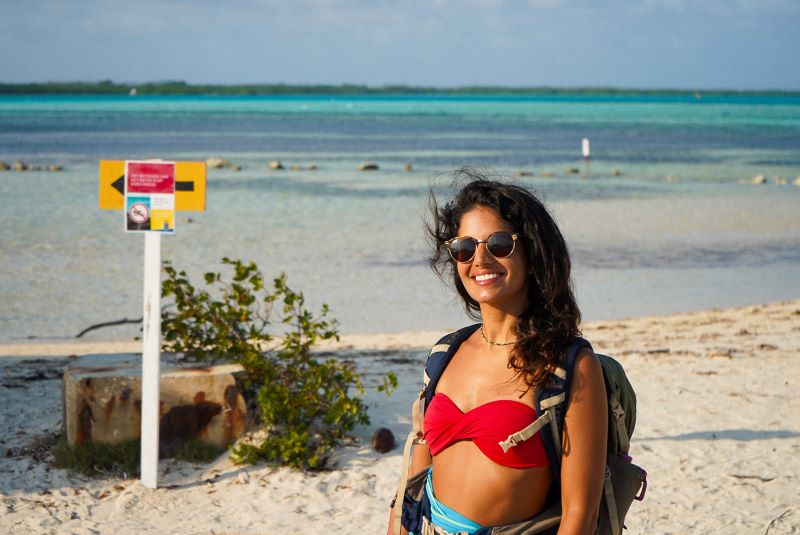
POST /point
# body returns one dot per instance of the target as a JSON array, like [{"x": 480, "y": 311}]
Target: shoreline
[{"x": 391, "y": 341}]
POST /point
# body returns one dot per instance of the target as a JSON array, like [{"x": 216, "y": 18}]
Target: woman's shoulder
[{"x": 587, "y": 370}]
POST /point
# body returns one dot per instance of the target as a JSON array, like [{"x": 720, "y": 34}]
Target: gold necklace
[{"x": 495, "y": 343}]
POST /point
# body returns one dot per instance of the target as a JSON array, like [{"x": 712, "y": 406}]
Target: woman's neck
[{"x": 498, "y": 325}]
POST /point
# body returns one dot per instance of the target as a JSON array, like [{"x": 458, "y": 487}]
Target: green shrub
[{"x": 307, "y": 406}]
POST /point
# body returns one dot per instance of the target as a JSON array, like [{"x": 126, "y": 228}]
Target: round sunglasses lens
[
  {"x": 462, "y": 249},
  {"x": 500, "y": 244}
]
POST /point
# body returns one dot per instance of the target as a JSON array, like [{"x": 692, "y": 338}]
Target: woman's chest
[{"x": 474, "y": 378}]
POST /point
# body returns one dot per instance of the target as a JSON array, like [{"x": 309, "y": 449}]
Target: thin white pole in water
[
  {"x": 151, "y": 358},
  {"x": 585, "y": 148}
]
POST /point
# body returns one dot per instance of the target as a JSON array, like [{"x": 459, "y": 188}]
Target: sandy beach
[{"x": 718, "y": 432}]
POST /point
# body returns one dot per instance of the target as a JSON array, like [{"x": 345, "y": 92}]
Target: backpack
[{"x": 623, "y": 481}]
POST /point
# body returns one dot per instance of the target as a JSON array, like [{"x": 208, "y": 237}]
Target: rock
[
  {"x": 547, "y": 174},
  {"x": 275, "y": 164},
  {"x": 311, "y": 167},
  {"x": 572, "y": 170},
  {"x": 519, "y": 173},
  {"x": 235, "y": 167},
  {"x": 4, "y": 166},
  {"x": 616, "y": 172},
  {"x": 368, "y": 166},
  {"x": 34, "y": 167},
  {"x": 54, "y": 167},
  {"x": 780, "y": 181},
  {"x": 217, "y": 162},
  {"x": 760, "y": 179},
  {"x": 19, "y": 165},
  {"x": 796, "y": 181},
  {"x": 383, "y": 440},
  {"x": 408, "y": 167}
]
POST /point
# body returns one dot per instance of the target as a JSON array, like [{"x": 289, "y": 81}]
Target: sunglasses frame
[{"x": 513, "y": 235}]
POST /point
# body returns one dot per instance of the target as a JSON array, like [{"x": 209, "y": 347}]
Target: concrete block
[{"x": 102, "y": 401}]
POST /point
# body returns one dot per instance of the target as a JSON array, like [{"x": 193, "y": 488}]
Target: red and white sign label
[{"x": 150, "y": 177}]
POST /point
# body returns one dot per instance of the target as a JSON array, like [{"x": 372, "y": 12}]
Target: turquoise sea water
[{"x": 659, "y": 220}]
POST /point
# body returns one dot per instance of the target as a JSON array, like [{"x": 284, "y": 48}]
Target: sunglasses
[{"x": 500, "y": 244}]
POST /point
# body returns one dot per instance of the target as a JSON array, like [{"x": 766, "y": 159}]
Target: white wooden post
[{"x": 151, "y": 359}]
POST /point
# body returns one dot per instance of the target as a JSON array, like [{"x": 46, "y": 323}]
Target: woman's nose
[{"x": 482, "y": 255}]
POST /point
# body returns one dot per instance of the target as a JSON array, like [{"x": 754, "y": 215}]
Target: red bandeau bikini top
[{"x": 486, "y": 425}]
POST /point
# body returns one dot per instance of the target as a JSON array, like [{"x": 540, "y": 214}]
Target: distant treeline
[{"x": 107, "y": 87}]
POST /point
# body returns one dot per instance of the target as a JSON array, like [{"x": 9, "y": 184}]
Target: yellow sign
[{"x": 190, "y": 185}]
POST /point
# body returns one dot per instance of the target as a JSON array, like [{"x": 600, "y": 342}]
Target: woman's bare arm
[{"x": 584, "y": 443}]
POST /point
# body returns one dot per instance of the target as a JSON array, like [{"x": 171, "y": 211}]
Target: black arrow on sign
[{"x": 119, "y": 185}]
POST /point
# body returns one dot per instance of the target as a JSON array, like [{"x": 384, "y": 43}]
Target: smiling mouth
[{"x": 486, "y": 277}]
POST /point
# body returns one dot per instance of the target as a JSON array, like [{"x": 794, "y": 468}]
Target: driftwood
[
  {"x": 107, "y": 324},
  {"x": 123, "y": 321}
]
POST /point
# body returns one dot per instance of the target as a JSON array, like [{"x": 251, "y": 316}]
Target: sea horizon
[{"x": 179, "y": 87}]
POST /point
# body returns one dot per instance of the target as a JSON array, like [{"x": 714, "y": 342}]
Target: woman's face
[{"x": 496, "y": 282}]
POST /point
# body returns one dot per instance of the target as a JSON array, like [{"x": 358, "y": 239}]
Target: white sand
[{"x": 718, "y": 432}]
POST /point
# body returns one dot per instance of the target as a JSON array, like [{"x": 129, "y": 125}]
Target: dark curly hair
[{"x": 545, "y": 330}]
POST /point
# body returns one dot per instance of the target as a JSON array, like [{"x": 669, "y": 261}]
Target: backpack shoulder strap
[{"x": 440, "y": 356}]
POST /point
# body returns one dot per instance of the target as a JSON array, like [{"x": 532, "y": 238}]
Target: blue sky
[{"x": 732, "y": 44}]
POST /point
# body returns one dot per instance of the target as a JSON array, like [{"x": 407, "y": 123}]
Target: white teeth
[{"x": 486, "y": 277}]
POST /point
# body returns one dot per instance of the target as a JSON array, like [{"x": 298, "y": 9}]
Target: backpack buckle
[{"x": 508, "y": 443}]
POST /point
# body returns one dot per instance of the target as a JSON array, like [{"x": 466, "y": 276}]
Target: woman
[{"x": 511, "y": 267}]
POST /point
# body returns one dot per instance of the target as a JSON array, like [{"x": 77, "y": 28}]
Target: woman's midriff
[{"x": 490, "y": 494}]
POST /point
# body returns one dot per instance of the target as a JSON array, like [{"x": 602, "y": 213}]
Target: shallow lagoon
[{"x": 676, "y": 231}]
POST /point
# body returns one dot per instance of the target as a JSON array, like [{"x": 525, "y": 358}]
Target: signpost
[{"x": 149, "y": 192}]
